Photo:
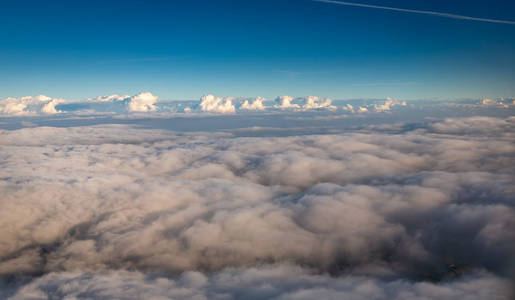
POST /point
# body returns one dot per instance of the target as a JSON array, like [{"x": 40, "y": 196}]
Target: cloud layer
[
  {"x": 148, "y": 103},
  {"x": 271, "y": 282},
  {"x": 390, "y": 210}
]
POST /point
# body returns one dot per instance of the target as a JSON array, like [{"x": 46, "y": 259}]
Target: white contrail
[{"x": 424, "y": 12}]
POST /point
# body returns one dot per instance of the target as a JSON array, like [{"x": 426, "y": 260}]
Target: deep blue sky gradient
[{"x": 183, "y": 49}]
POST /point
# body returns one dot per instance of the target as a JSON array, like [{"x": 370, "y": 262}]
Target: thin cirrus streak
[{"x": 424, "y": 12}]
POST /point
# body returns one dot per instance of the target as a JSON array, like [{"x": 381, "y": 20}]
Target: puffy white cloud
[
  {"x": 257, "y": 104},
  {"x": 12, "y": 106},
  {"x": 210, "y": 103},
  {"x": 359, "y": 109},
  {"x": 29, "y": 105},
  {"x": 307, "y": 103},
  {"x": 49, "y": 108},
  {"x": 38, "y": 98},
  {"x": 348, "y": 107},
  {"x": 388, "y": 104},
  {"x": 285, "y": 102},
  {"x": 142, "y": 102},
  {"x": 314, "y": 102}
]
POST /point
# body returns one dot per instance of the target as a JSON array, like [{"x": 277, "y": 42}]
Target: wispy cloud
[{"x": 424, "y": 12}]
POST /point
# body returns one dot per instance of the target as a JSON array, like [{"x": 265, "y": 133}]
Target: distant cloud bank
[{"x": 148, "y": 103}]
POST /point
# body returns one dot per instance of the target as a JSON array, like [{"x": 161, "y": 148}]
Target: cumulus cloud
[
  {"x": 421, "y": 213},
  {"x": 314, "y": 102},
  {"x": 142, "y": 102},
  {"x": 307, "y": 103},
  {"x": 502, "y": 102},
  {"x": 351, "y": 109},
  {"x": 210, "y": 103},
  {"x": 229, "y": 105},
  {"x": 49, "y": 108},
  {"x": 285, "y": 102},
  {"x": 23, "y": 106},
  {"x": 29, "y": 105},
  {"x": 348, "y": 107},
  {"x": 257, "y": 104},
  {"x": 388, "y": 104}
]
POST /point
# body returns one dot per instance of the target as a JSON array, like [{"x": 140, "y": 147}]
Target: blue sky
[{"x": 183, "y": 49}]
